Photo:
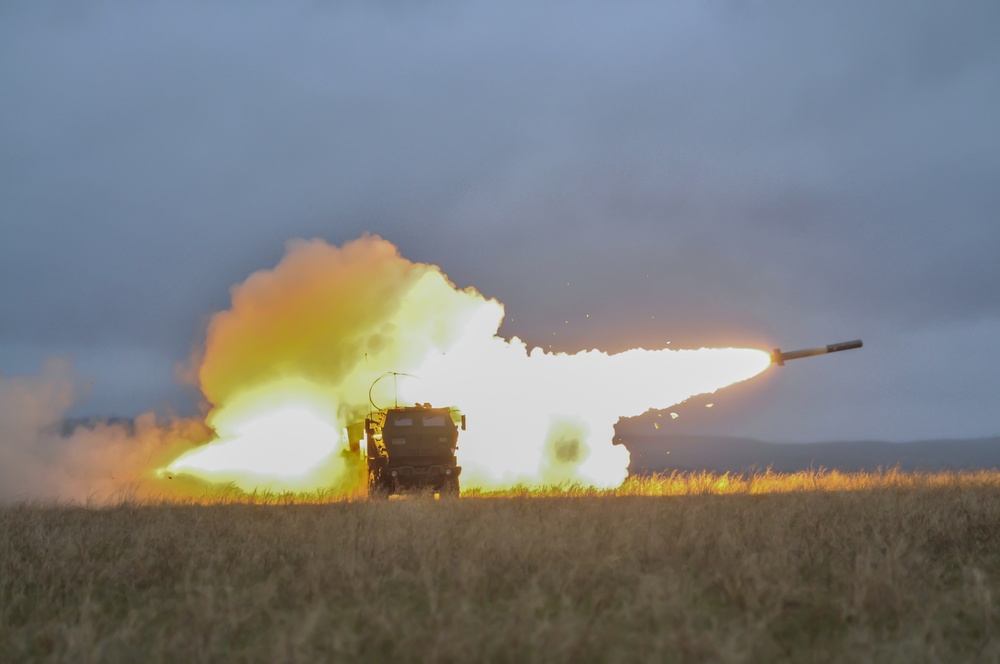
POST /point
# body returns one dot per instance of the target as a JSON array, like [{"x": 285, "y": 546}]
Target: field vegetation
[{"x": 814, "y": 566}]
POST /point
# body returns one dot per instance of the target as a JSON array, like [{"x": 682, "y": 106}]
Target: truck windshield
[
  {"x": 433, "y": 420},
  {"x": 403, "y": 421}
]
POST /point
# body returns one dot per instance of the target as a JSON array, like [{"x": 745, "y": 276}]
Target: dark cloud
[{"x": 756, "y": 173}]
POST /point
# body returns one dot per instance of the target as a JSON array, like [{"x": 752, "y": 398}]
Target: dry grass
[{"x": 696, "y": 567}]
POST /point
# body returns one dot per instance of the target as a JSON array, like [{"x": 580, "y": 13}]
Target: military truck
[{"x": 413, "y": 448}]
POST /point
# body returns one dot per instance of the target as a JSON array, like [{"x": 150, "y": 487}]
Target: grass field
[{"x": 809, "y": 567}]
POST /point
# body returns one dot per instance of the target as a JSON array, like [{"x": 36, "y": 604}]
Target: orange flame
[{"x": 291, "y": 363}]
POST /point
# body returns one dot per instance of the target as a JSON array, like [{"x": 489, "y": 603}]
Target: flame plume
[{"x": 289, "y": 365}]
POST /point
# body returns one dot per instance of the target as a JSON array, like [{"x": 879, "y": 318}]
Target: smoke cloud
[
  {"x": 299, "y": 355},
  {"x": 92, "y": 462}
]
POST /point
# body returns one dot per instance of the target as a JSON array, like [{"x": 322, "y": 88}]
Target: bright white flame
[
  {"x": 548, "y": 418},
  {"x": 300, "y": 439},
  {"x": 275, "y": 450},
  {"x": 292, "y": 362}
]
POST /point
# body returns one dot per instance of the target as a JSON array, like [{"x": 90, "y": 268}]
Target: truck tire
[
  {"x": 376, "y": 487},
  {"x": 450, "y": 488}
]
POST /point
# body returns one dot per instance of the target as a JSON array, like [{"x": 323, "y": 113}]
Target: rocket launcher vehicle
[{"x": 779, "y": 358}]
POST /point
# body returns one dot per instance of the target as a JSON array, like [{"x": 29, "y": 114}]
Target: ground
[{"x": 812, "y": 567}]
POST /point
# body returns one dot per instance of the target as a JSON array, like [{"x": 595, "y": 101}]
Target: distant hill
[{"x": 665, "y": 453}]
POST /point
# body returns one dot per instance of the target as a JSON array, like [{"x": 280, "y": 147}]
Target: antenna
[
  {"x": 394, "y": 375},
  {"x": 369, "y": 389}
]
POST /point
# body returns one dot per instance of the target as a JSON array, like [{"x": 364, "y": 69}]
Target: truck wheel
[
  {"x": 450, "y": 488},
  {"x": 376, "y": 488}
]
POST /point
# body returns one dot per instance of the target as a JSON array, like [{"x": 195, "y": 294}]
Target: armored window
[
  {"x": 403, "y": 421},
  {"x": 433, "y": 420}
]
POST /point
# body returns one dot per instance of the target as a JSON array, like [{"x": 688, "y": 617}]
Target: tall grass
[{"x": 688, "y": 567}]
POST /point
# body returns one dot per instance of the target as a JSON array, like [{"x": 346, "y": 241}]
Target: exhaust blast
[{"x": 289, "y": 366}]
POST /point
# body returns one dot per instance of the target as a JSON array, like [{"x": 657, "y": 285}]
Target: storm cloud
[{"x": 747, "y": 174}]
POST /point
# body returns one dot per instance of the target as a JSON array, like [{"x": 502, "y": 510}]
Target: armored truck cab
[{"x": 413, "y": 447}]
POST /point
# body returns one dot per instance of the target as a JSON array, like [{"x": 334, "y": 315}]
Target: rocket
[{"x": 779, "y": 358}]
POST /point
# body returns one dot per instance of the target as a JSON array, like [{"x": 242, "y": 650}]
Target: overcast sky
[{"x": 700, "y": 173}]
